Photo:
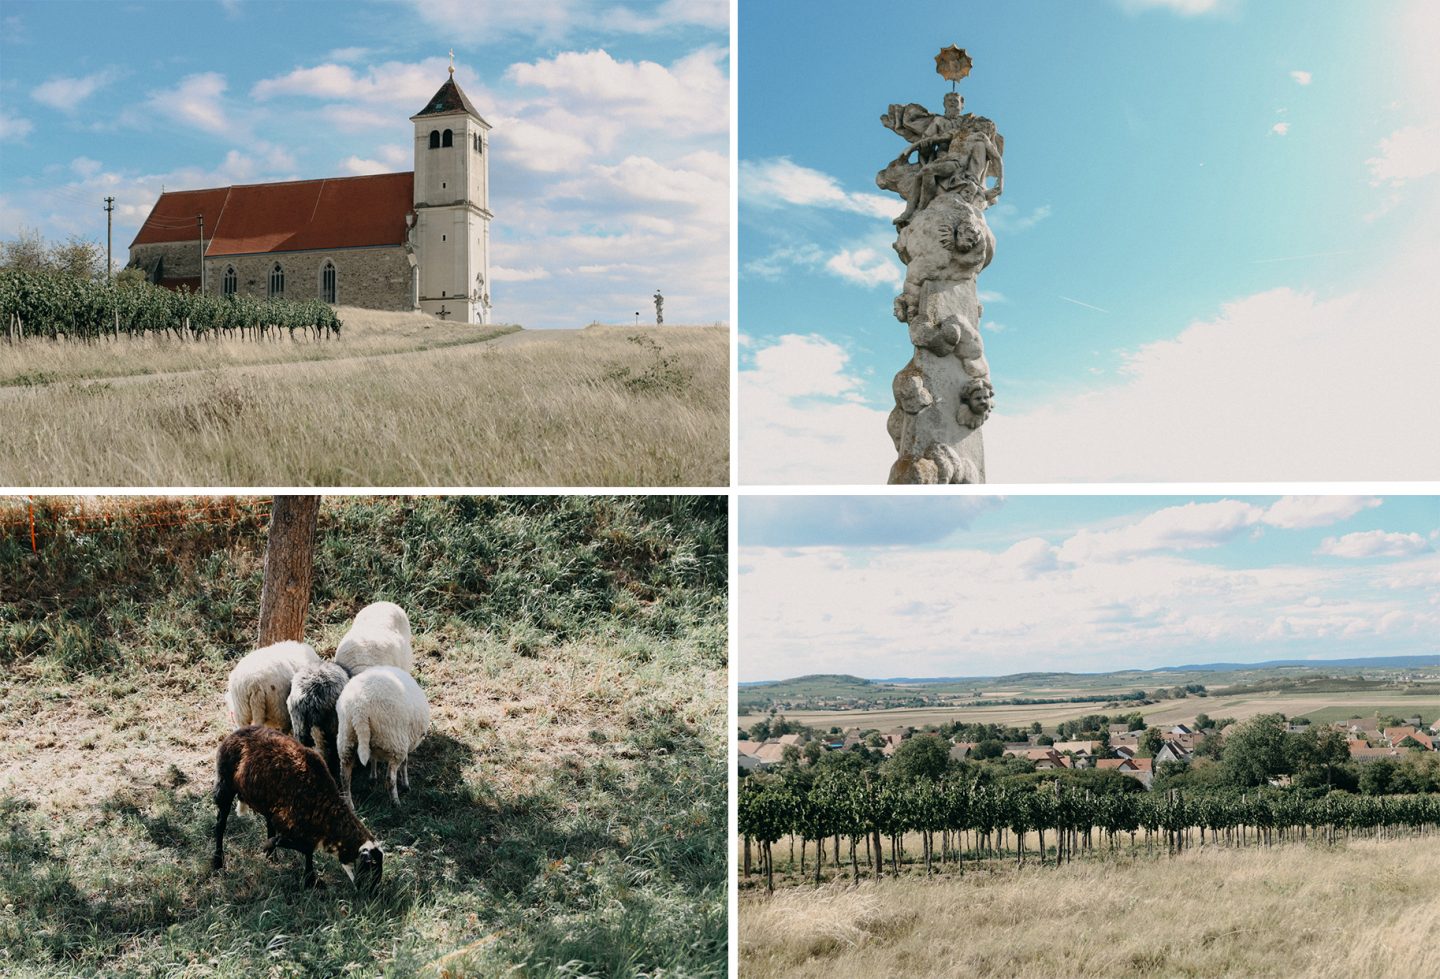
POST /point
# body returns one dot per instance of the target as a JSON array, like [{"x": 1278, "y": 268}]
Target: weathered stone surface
[{"x": 944, "y": 394}]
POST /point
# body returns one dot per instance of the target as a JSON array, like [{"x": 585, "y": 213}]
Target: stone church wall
[
  {"x": 373, "y": 278},
  {"x": 182, "y": 258}
]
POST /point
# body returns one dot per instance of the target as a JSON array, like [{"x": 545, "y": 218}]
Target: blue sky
[
  {"x": 1214, "y": 210},
  {"x": 936, "y": 586},
  {"x": 610, "y": 152}
]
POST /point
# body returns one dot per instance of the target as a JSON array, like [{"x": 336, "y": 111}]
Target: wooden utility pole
[
  {"x": 200, "y": 220},
  {"x": 109, "y": 265},
  {"x": 289, "y": 560}
]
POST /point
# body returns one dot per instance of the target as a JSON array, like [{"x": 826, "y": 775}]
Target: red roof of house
[{"x": 335, "y": 212}]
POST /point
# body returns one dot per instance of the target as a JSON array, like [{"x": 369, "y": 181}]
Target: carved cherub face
[{"x": 979, "y": 399}]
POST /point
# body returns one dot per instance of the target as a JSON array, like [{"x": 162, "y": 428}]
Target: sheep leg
[
  {"x": 310, "y": 880},
  {"x": 332, "y": 756},
  {"x": 394, "y": 775},
  {"x": 347, "y": 766},
  {"x": 224, "y": 797},
  {"x": 405, "y": 775}
]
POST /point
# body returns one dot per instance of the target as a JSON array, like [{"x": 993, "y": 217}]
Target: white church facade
[{"x": 401, "y": 241}]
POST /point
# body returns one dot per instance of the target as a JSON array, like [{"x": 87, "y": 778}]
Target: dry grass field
[
  {"x": 1369, "y": 909},
  {"x": 1240, "y": 707},
  {"x": 592, "y": 407}
]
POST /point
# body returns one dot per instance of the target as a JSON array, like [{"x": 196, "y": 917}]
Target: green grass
[
  {"x": 568, "y": 807},
  {"x": 1326, "y": 715}
]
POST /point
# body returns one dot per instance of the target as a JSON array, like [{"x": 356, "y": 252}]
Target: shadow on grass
[{"x": 606, "y": 869}]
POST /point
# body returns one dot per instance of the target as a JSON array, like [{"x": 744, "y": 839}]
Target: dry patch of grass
[
  {"x": 1364, "y": 908},
  {"x": 366, "y": 333},
  {"x": 535, "y": 414}
]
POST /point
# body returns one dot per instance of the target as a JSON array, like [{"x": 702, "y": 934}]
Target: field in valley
[
  {"x": 1363, "y": 908},
  {"x": 567, "y": 813},
  {"x": 400, "y": 400},
  {"x": 1318, "y": 706}
]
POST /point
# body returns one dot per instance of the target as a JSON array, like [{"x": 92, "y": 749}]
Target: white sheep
[
  {"x": 260, "y": 684},
  {"x": 380, "y": 636},
  {"x": 383, "y": 714}
]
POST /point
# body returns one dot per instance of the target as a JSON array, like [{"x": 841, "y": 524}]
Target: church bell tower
[{"x": 452, "y": 207}]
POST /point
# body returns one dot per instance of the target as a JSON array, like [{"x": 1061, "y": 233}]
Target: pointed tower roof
[{"x": 449, "y": 99}]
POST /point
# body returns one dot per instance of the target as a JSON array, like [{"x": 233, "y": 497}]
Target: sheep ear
[{"x": 349, "y": 871}]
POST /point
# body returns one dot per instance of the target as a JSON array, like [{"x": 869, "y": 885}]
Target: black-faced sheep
[
  {"x": 311, "y": 704},
  {"x": 380, "y": 636},
  {"x": 289, "y": 786},
  {"x": 383, "y": 714},
  {"x": 260, "y": 683}
]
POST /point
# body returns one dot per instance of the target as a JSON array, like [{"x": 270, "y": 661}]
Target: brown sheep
[{"x": 291, "y": 788}]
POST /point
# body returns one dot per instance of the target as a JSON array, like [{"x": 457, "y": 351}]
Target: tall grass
[
  {"x": 1361, "y": 909},
  {"x": 535, "y": 414},
  {"x": 568, "y": 808}
]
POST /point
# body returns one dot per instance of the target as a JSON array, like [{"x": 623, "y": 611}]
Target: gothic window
[
  {"x": 448, "y": 139},
  {"x": 277, "y": 281},
  {"x": 475, "y": 138},
  {"x": 327, "y": 281},
  {"x": 434, "y": 139},
  {"x": 228, "y": 283}
]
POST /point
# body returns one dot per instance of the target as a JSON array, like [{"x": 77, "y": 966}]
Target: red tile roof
[
  {"x": 173, "y": 216},
  {"x": 335, "y": 212}
]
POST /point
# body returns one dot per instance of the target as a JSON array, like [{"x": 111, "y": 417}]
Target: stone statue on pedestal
[{"x": 943, "y": 395}]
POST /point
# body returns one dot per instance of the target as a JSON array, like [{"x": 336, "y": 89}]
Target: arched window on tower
[
  {"x": 229, "y": 282},
  {"x": 434, "y": 139},
  {"x": 327, "y": 281},
  {"x": 448, "y": 139},
  {"x": 277, "y": 281},
  {"x": 475, "y": 138}
]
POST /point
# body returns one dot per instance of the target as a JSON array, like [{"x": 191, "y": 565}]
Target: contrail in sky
[{"x": 1086, "y": 305}]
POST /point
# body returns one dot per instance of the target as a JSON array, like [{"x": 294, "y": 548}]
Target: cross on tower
[
  {"x": 443, "y": 312},
  {"x": 452, "y": 62}
]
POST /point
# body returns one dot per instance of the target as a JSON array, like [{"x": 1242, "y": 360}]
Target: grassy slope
[
  {"x": 527, "y": 415},
  {"x": 1361, "y": 909},
  {"x": 568, "y": 805}
]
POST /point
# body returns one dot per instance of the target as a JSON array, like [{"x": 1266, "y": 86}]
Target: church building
[{"x": 403, "y": 241}]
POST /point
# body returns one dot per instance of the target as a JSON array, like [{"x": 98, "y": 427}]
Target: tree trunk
[{"x": 289, "y": 558}]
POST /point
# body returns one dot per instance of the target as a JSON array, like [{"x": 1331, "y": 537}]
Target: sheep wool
[
  {"x": 383, "y": 715},
  {"x": 379, "y": 636},
  {"x": 311, "y": 704},
  {"x": 288, "y": 786},
  {"x": 260, "y": 684}
]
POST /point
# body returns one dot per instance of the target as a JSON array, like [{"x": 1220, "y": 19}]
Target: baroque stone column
[{"x": 943, "y": 395}]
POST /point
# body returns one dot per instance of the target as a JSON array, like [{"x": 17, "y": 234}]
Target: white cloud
[
  {"x": 500, "y": 273},
  {"x": 1178, "y": 528},
  {"x": 1281, "y": 129},
  {"x": 196, "y": 101},
  {"x": 802, "y": 421},
  {"x": 1302, "y": 77},
  {"x": 70, "y": 94},
  {"x": 828, "y": 609},
  {"x": 779, "y": 260},
  {"x": 1295, "y": 512},
  {"x": 347, "y": 54},
  {"x": 399, "y": 83},
  {"x": 1185, "y": 8},
  {"x": 866, "y": 267},
  {"x": 1257, "y": 393},
  {"x": 14, "y": 127},
  {"x": 779, "y": 181},
  {"x": 554, "y": 20},
  {"x": 1374, "y": 543},
  {"x": 688, "y": 97},
  {"x": 1407, "y": 154},
  {"x": 358, "y": 167},
  {"x": 1005, "y": 218}
]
